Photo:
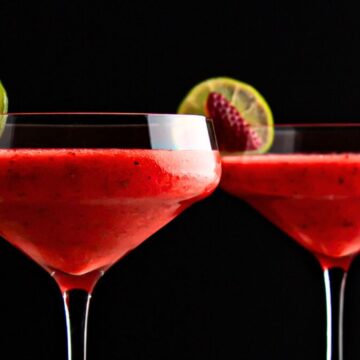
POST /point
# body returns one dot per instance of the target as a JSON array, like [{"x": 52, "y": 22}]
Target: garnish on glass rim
[
  {"x": 242, "y": 118},
  {"x": 3, "y": 107}
]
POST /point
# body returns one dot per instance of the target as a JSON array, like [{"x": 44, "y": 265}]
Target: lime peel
[
  {"x": 245, "y": 98},
  {"x": 3, "y": 108}
]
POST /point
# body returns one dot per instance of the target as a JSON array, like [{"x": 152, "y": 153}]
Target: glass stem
[
  {"x": 335, "y": 280},
  {"x": 76, "y": 304}
]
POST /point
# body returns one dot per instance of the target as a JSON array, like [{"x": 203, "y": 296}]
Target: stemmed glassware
[
  {"x": 78, "y": 191},
  {"x": 308, "y": 184}
]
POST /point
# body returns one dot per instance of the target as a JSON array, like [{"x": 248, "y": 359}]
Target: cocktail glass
[
  {"x": 79, "y": 191},
  {"x": 308, "y": 184}
]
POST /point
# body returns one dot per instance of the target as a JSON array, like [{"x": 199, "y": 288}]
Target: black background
[{"x": 219, "y": 282}]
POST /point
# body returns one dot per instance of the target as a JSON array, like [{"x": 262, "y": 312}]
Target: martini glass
[
  {"x": 308, "y": 185},
  {"x": 78, "y": 191}
]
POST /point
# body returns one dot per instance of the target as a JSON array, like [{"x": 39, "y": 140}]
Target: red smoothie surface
[
  {"x": 313, "y": 198},
  {"x": 74, "y": 211}
]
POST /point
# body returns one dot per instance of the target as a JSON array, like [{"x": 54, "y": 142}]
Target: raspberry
[{"x": 232, "y": 131}]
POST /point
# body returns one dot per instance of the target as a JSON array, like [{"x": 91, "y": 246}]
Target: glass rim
[
  {"x": 135, "y": 114},
  {"x": 99, "y": 113},
  {"x": 315, "y": 125},
  {"x": 107, "y": 129},
  {"x": 15, "y": 118}
]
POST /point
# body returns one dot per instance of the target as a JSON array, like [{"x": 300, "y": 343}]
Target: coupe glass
[
  {"x": 308, "y": 185},
  {"x": 78, "y": 191}
]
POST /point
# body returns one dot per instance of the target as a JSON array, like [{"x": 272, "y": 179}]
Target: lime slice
[
  {"x": 3, "y": 107},
  {"x": 247, "y": 100}
]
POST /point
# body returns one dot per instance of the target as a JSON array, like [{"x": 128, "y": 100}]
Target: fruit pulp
[
  {"x": 75, "y": 211},
  {"x": 314, "y": 198}
]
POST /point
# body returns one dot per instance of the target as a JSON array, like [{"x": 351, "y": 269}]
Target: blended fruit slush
[
  {"x": 304, "y": 178},
  {"x": 77, "y": 210},
  {"x": 313, "y": 198}
]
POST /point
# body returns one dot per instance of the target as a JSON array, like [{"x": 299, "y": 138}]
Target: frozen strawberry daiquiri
[
  {"x": 305, "y": 180},
  {"x": 96, "y": 204},
  {"x": 79, "y": 191},
  {"x": 308, "y": 184},
  {"x": 314, "y": 198}
]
